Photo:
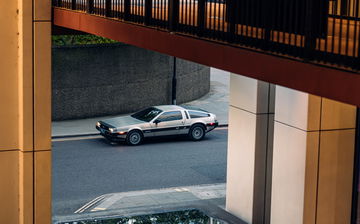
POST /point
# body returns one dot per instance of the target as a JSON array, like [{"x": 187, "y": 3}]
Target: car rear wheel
[
  {"x": 134, "y": 137},
  {"x": 197, "y": 132}
]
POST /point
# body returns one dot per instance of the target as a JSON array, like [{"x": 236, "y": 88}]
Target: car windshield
[{"x": 147, "y": 115}]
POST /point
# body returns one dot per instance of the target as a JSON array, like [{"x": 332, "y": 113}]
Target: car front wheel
[
  {"x": 134, "y": 137},
  {"x": 197, "y": 132}
]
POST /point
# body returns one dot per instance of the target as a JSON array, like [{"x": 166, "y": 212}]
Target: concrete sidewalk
[
  {"x": 157, "y": 197},
  {"x": 216, "y": 101},
  {"x": 157, "y": 201}
]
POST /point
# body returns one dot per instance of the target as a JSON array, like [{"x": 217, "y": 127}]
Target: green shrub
[{"x": 62, "y": 40}]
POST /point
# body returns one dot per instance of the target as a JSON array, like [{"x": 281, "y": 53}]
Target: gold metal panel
[
  {"x": 42, "y": 187},
  {"x": 337, "y": 115},
  {"x": 335, "y": 176},
  {"x": 9, "y": 75},
  {"x": 42, "y": 85},
  {"x": 9, "y": 187},
  {"x": 26, "y": 189},
  {"x": 311, "y": 177},
  {"x": 25, "y": 75},
  {"x": 42, "y": 10}
]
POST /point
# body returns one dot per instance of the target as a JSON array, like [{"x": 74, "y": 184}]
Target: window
[
  {"x": 197, "y": 114},
  {"x": 147, "y": 114},
  {"x": 170, "y": 116}
]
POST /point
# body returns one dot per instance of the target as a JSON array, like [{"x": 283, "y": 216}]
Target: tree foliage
[
  {"x": 65, "y": 40},
  {"x": 179, "y": 217}
]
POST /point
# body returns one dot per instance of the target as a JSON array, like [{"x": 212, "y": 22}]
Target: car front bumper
[{"x": 111, "y": 136}]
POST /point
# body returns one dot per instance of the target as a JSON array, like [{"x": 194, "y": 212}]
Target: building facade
[{"x": 292, "y": 155}]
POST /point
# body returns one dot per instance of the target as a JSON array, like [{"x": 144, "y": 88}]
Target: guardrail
[{"x": 325, "y": 31}]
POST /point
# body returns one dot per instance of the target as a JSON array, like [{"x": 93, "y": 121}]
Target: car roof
[
  {"x": 176, "y": 107},
  {"x": 169, "y": 107},
  {"x": 194, "y": 108}
]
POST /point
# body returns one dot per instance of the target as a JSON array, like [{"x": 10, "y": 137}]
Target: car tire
[
  {"x": 197, "y": 132},
  {"x": 134, "y": 137}
]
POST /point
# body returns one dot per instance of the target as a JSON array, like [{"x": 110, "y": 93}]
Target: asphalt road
[{"x": 84, "y": 169}]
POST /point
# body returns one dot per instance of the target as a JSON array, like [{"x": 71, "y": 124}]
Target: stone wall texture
[{"x": 110, "y": 79}]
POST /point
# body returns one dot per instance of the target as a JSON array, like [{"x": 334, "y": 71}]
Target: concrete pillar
[
  {"x": 251, "y": 116},
  {"x": 312, "y": 159},
  {"x": 25, "y": 68}
]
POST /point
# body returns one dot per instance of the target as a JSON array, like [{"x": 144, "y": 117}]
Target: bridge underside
[{"x": 320, "y": 80}]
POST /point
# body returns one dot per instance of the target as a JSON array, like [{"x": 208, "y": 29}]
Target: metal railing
[{"x": 325, "y": 31}]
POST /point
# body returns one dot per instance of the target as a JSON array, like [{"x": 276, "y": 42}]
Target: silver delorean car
[{"x": 158, "y": 121}]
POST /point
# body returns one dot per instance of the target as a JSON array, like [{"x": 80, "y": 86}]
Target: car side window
[
  {"x": 197, "y": 114},
  {"x": 170, "y": 116}
]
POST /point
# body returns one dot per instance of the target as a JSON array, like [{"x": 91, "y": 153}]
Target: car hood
[{"x": 119, "y": 122}]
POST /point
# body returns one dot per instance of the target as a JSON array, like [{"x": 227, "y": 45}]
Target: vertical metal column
[
  {"x": 73, "y": 4},
  {"x": 108, "y": 12},
  {"x": 201, "y": 17},
  {"x": 267, "y": 21},
  {"x": 148, "y": 12},
  {"x": 173, "y": 15},
  {"x": 344, "y": 7},
  {"x": 90, "y": 6},
  {"x": 127, "y": 10},
  {"x": 173, "y": 95},
  {"x": 310, "y": 38},
  {"x": 231, "y": 18}
]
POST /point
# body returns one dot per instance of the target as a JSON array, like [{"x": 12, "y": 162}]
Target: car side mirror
[{"x": 157, "y": 121}]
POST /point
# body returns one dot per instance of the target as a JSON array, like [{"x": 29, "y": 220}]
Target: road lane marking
[
  {"x": 220, "y": 128},
  {"x": 97, "y": 209},
  {"x": 89, "y": 204}
]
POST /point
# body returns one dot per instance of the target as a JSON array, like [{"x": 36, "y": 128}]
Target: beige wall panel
[
  {"x": 9, "y": 74},
  {"x": 241, "y": 163},
  {"x": 335, "y": 176},
  {"x": 25, "y": 76},
  {"x": 42, "y": 10},
  {"x": 26, "y": 187},
  {"x": 248, "y": 94},
  {"x": 337, "y": 115},
  {"x": 297, "y": 109},
  {"x": 42, "y": 187},
  {"x": 42, "y": 85},
  {"x": 9, "y": 187},
  {"x": 289, "y": 169}
]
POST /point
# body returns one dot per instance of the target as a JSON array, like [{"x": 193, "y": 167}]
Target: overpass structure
[
  {"x": 248, "y": 37},
  {"x": 293, "y": 153}
]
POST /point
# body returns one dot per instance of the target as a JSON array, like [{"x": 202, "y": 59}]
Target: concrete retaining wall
[{"x": 99, "y": 80}]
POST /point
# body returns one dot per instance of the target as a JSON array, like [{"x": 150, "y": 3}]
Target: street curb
[
  {"x": 74, "y": 135},
  {"x": 95, "y": 134}
]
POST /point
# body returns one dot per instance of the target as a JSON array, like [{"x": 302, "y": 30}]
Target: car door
[{"x": 168, "y": 123}]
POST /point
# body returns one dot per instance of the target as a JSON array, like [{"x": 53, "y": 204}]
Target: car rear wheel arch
[{"x": 195, "y": 133}]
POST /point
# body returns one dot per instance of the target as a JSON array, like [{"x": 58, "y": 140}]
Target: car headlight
[
  {"x": 112, "y": 130},
  {"x": 98, "y": 124}
]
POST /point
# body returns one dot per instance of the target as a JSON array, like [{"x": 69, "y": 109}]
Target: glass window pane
[
  {"x": 170, "y": 116},
  {"x": 196, "y": 114}
]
